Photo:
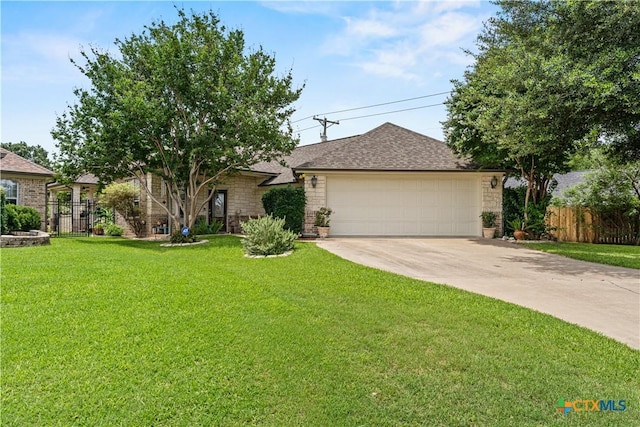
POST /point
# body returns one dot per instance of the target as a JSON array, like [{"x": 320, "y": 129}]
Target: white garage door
[{"x": 400, "y": 205}]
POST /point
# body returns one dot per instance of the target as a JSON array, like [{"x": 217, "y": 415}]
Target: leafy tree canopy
[
  {"x": 538, "y": 93},
  {"x": 35, "y": 153},
  {"x": 187, "y": 102}
]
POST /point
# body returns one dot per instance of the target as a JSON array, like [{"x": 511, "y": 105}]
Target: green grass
[
  {"x": 619, "y": 255},
  {"x": 103, "y": 332}
]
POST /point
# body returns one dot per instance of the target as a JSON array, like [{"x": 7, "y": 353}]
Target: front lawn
[
  {"x": 620, "y": 255},
  {"x": 102, "y": 332}
]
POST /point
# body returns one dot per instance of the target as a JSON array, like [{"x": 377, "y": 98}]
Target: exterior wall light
[
  {"x": 494, "y": 182},
  {"x": 314, "y": 181}
]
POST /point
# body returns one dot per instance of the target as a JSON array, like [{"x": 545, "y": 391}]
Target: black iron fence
[{"x": 69, "y": 218}]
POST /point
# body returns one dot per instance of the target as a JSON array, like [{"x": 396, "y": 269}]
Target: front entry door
[{"x": 218, "y": 208}]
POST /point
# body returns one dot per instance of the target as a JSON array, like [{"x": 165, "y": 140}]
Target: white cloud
[
  {"x": 369, "y": 28},
  {"x": 306, "y": 7},
  {"x": 402, "y": 39},
  {"x": 449, "y": 29},
  {"x": 38, "y": 57},
  {"x": 45, "y": 46}
]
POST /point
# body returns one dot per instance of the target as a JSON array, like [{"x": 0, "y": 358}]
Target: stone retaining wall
[{"x": 24, "y": 238}]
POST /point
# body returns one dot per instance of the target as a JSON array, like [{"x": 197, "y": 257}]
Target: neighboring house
[
  {"x": 389, "y": 181},
  {"x": 25, "y": 182},
  {"x": 562, "y": 181}
]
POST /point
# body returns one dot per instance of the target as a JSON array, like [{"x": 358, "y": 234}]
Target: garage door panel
[{"x": 404, "y": 206}]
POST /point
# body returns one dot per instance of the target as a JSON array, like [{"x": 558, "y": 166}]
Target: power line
[
  {"x": 376, "y": 114},
  {"x": 391, "y": 112},
  {"x": 373, "y": 105},
  {"x": 309, "y": 128}
]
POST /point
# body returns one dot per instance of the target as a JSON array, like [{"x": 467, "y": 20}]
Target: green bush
[
  {"x": 4, "y": 217},
  {"x": 287, "y": 203},
  {"x": 123, "y": 197},
  {"x": 178, "y": 237},
  {"x": 201, "y": 227},
  {"x": 513, "y": 209},
  {"x": 22, "y": 218},
  {"x": 267, "y": 236},
  {"x": 113, "y": 230}
]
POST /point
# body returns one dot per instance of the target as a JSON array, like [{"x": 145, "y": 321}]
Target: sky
[{"x": 347, "y": 54}]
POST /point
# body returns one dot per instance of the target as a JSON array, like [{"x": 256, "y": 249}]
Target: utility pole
[{"x": 325, "y": 123}]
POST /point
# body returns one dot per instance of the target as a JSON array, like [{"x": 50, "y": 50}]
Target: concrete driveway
[{"x": 602, "y": 298}]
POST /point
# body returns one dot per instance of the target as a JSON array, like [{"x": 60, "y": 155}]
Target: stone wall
[{"x": 23, "y": 238}]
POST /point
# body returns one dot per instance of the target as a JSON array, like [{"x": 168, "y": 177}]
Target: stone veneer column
[
  {"x": 492, "y": 199},
  {"x": 316, "y": 198}
]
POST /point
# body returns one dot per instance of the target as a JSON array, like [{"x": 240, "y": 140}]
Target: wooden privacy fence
[
  {"x": 571, "y": 224},
  {"x": 578, "y": 224}
]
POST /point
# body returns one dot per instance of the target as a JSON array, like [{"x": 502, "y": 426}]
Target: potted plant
[
  {"x": 518, "y": 228},
  {"x": 323, "y": 218},
  {"x": 98, "y": 229},
  {"x": 488, "y": 224}
]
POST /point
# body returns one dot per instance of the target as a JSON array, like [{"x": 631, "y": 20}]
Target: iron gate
[{"x": 69, "y": 218}]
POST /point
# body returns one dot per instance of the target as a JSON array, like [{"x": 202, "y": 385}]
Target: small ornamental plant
[
  {"x": 488, "y": 219},
  {"x": 323, "y": 217}
]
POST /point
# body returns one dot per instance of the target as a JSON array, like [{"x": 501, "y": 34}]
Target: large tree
[
  {"x": 35, "y": 153},
  {"x": 601, "y": 42},
  {"x": 532, "y": 98},
  {"x": 187, "y": 102}
]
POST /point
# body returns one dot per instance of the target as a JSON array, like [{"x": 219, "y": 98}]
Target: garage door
[{"x": 396, "y": 205}]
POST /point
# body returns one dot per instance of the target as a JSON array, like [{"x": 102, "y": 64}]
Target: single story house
[
  {"x": 25, "y": 182},
  {"x": 390, "y": 181}
]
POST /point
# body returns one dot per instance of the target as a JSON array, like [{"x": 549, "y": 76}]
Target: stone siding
[
  {"x": 492, "y": 199},
  {"x": 244, "y": 200},
  {"x": 316, "y": 199}
]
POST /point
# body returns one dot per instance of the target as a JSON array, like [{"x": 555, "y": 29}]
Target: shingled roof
[
  {"x": 386, "y": 148},
  {"x": 10, "y": 162}
]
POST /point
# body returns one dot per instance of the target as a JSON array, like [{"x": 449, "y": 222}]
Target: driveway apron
[{"x": 599, "y": 297}]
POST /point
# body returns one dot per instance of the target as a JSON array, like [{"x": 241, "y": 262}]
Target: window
[{"x": 10, "y": 190}]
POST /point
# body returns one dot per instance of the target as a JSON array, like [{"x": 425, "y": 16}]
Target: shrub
[
  {"x": 22, "y": 218},
  {"x": 286, "y": 203},
  {"x": 513, "y": 208},
  {"x": 4, "y": 217},
  {"x": 178, "y": 237},
  {"x": 113, "y": 230},
  {"x": 123, "y": 198},
  {"x": 267, "y": 236},
  {"x": 201, "y": 227}
]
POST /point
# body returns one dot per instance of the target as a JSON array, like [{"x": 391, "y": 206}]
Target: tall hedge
[{"x": 286, "y": 203}]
